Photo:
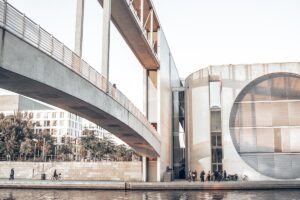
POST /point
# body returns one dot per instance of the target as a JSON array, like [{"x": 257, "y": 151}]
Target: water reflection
[{"x": 16, "y": 194}]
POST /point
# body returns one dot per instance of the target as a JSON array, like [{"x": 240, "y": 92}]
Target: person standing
[
  {"x": 12, "y": 174},
  {"x": 208, "y": 176},
  {"x": 225, "y": 175},
  {"x": 190, "y": 175},
  {"x": 202, "y": 175}
]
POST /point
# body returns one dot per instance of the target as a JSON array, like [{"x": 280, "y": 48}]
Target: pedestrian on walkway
[
  {"x": 208, "y": 176},
  {"x": 202, "y": 175},
  {"x": 12, "y": 174},
  {"x": 190, "y": 175}
]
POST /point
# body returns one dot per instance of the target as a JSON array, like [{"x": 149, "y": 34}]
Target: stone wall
[{"x": 106, "y": 171}]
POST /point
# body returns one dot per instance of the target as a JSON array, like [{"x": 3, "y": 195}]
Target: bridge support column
[
  {"x": 106, "y": 39},
  {"x": 79, "y": 27},
  {"x": 144, "y": 169}
]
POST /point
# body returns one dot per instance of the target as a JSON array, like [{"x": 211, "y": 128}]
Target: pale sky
[{"x": 199, "y": 32}]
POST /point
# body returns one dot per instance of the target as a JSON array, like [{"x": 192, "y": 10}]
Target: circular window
[{"x": 265, "y": 125}]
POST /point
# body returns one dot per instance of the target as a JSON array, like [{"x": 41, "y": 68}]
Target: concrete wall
[
  {"x": 167, "y": 78},
  {"x": 106, "y": 171}
]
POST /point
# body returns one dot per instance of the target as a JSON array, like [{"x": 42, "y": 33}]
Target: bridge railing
[{"x": 17, "y": 23}]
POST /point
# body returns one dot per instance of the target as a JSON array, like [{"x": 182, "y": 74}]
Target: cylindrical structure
[{"x": 244, "y": 119}]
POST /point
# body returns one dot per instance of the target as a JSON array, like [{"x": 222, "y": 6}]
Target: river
[{"x": 20, "y": 194}]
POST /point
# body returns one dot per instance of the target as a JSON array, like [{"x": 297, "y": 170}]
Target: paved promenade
[{"x": 176, "y": 185}]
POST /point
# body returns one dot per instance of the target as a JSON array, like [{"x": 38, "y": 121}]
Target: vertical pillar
[
  {"x": 151, "y": 27},
  {"x": 144, "y": 168},
  {"x": 146, "y": 92},
  {"x": 79, "y": 27},
  {"x": 142, "y": 12},
  {"x": 106, "y": 40}
]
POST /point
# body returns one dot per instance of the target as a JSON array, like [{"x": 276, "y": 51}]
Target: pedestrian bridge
[{"x": 35, "y": 64}]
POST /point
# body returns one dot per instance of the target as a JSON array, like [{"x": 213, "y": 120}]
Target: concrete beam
[
  {"x": 128, "y": 26},
  {"x": 106, "y": 38}
]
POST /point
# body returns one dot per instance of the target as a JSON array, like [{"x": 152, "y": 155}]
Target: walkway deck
[{"x": 177, "y": 185}]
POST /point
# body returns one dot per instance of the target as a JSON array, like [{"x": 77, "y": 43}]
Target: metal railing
[
  {"x": 144, "y": 31},
  {"x": 18, "y": 24}
]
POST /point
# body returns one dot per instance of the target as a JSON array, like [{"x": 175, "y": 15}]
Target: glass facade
[
  {"x": 265, "y": 125},
  {"x": 178, "y": 135},
  {"x": 215, "y": 125}
]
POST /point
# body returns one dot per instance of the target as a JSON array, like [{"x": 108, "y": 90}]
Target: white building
[{"x": 62, "y": 125}]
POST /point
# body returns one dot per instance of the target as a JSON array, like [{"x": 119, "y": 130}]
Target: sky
[{"x": 199, "y": 32}]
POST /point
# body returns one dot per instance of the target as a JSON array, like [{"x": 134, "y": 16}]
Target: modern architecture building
[
  {"x": 60, "y": 124},
  {"x": 244, "y": 119}
]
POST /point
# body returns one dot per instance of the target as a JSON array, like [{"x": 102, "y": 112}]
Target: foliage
[
  {"x": 14, "y": 130},
  {"x": 104, "y": 148}
]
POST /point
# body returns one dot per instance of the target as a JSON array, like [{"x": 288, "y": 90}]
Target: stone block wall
[{"x": 98, "y": 171}]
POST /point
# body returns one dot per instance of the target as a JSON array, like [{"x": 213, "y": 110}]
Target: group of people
[
  {"x": 214, "y": 176},
  {"x": 55, "y": 176}
]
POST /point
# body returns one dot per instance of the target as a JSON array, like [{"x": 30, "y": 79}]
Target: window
[
  {"x": 61, "y": 114},
  {"x": 38, "y": 115},
  {"x": 215, "y": 94},
  {"x": 54, "y": 115},
  {"x": 54, "y": 123},
  {"x": 47, "y": 123}
]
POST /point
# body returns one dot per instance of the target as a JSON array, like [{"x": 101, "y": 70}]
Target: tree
[
  {"x": 26, "y": 147},
  {"x": 14, "y": 129}
]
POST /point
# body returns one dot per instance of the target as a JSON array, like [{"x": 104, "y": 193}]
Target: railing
[
  {"x": 17, "y": 23},
  {"x": 134, "y": 12}
]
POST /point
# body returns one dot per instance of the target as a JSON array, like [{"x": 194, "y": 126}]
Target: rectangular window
[
  {"x": 54, "y": 123},
  {"x": 54, "y": 115},
  {"x": 61, "y": 114},
  {"x": 215, "y": 94},
  {"x": 217, "y": 155}
]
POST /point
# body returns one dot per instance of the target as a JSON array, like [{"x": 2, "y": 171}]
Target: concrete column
[
  {"x": 142, "y": 12},
  {"x": 79, "y": 27},
  {"x": 158, "y": 171},
  {"x": 146, "y": 92},
  {"x": 106, "y": 38},
  {"x": 144, "y": 168},
  {"x": 151, "y": 27}
]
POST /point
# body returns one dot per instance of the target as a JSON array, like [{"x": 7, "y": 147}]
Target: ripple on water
[{"x": 20, "y": 194}]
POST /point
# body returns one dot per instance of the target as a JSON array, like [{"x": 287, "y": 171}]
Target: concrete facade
[
  {"x": 91, "y": 171},
  {"x": 249, "y": 145}
]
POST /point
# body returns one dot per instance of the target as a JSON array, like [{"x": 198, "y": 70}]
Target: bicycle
[
  {"x": 57, "y": 178},
  {"x": 244, "y": 178}
]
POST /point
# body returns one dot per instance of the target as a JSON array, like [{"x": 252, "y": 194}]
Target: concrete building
[
  {"x": 244, "y": 119},
  {"x": 61, "y": 124}
]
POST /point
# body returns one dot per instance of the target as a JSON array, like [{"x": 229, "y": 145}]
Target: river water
[{"x": 16, "y": 194}]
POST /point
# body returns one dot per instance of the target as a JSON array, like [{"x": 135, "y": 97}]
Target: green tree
[
  {"x": 26, "y": 147},
  {"x": 14, "y": 129}
]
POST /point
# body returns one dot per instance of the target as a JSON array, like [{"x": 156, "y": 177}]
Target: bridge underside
[
  {"x": 30, "y": 72},
  {"x": 127, "y": 24}
]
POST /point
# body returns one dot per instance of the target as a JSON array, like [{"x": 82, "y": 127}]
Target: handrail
[{"x": 17, "y": 23}]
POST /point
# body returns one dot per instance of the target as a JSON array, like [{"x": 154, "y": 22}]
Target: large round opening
[{"x": 265, "y": 125}]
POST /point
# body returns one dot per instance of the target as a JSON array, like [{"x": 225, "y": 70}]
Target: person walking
[
  {"x": 12, "y": 174},
  {"x": 55, "y": 176}
]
